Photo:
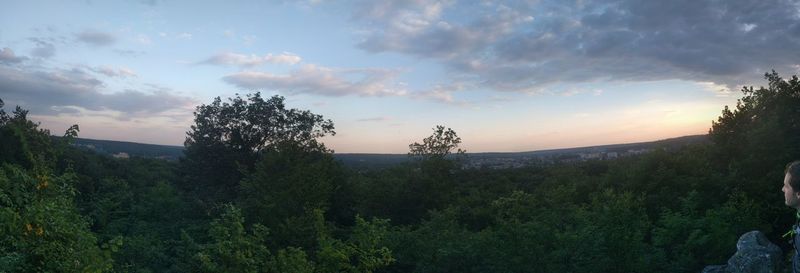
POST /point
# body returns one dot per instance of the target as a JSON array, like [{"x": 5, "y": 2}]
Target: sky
[{"x": 505, "y": 75}]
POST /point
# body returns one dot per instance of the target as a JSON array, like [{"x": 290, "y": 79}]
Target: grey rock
[
  {"x": 714, "y": 269},
  {"x": 754, "y": 254}
]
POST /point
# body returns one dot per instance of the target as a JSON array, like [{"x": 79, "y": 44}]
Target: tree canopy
[
  {"x": 438, "y": 145},
  {"x": 228, "y": 138}
]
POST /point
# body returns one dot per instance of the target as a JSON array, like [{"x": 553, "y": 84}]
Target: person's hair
[{"x": 793, "y": 169}]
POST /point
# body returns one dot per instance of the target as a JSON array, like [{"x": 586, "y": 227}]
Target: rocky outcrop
[{"x": 754, "y": 254}]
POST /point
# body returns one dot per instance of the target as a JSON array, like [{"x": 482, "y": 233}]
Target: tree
[
  {"x": 232, "y": 247},
  {"x": 40, "y": 227},
  {"x": 429, "y": 181},
  {"x": 763, "y": 115},
  {"x": 287, "y": 184},
  {"x": 754, "y": 141},
  {"x": 23, "y": 143},
  {"x": 228, "y": 138},
  {"x": 362, "y": 252},
  {"x": 438, "y": 145}
]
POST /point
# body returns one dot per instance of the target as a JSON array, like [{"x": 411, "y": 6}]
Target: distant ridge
[
  {"x": 669, "y": 142},
  {"x": 130, "y": 149},
  {"x": 519, "y": 159},
  {"x": 375, "y": 160}
]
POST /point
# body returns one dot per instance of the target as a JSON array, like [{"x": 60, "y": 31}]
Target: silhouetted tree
[
  {"x": 228, "y": 138},
  {"x": 438, "y": 145}
]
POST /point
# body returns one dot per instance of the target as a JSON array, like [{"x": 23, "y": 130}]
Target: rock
[
  {"x": 714, "y": 269},
  {"x": 754, "y": 254}
]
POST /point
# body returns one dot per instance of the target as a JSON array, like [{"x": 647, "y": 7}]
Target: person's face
[{"x": 790, "y": 197}]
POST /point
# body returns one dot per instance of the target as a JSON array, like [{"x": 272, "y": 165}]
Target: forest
[{"x": 258, "y": 191}]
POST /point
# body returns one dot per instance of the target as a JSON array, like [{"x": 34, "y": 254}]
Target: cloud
[
  {"x": 422, "y": 28},
  {"x": 324, "y": 81},
  {"x": 121, "y": 72},
  {"x": 95, "y": 38},
  {"x": 126, "y": 72},
  {"x": 53, "y": 92},
  {"x": 134, "y": 101},
  {"x": 312, "y": 79},
  {"x": 436, "y": 95},
  {"x": 43, "y": 49},
  {"x": 251, "y": 60},
  {"x": 525, "y": 46},
  {"x": 7, "y": 56},
  {"x": 572, "y": 91},
  {"x": 285, "y": 58},
  {"x": 185, "y": 36},
  {"x": 443, "y": 93},
  {"x": 718, "y": 89},
  {"x": 496, "y": 98},
  {"x": 389, "y": 10}
]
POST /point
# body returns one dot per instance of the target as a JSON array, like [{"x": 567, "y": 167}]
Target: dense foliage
[{"x": 257, "y": 191}]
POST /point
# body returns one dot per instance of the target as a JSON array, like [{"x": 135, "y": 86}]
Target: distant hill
[
  {"x": 601, "y": 152},
  {"x": 668, "y": 143},
  {"x": 130, "y": 149},
  {"x": 501, "y": 160},
  {"x": 370, "y": 161},
  {"x": 373, "y": 161}
]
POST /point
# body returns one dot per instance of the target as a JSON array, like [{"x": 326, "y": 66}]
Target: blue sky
[{"x": 505, "y": 75}]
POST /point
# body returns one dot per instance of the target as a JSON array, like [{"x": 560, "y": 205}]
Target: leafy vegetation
[{"x": 258, "y": 192}]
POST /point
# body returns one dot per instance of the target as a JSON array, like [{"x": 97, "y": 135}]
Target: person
[{"x": 791, "y": 197}]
